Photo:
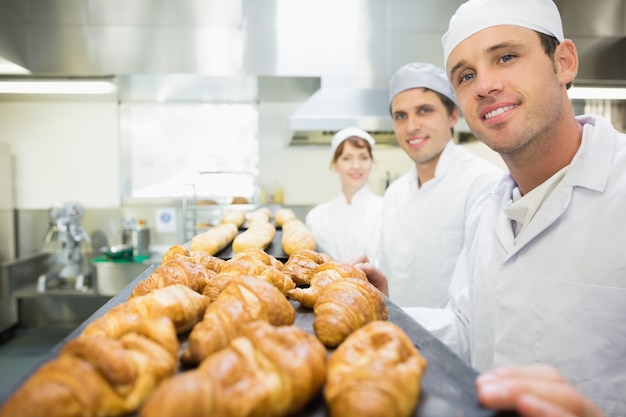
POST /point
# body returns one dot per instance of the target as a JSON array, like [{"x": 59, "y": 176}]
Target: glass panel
[{"x": 164, "y": 145}]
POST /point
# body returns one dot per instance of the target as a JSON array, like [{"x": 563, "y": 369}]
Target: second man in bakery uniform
[{"x": 425, "y": 209}]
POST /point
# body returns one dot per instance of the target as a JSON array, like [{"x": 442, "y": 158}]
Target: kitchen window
[{"x": 164, "y": 145}]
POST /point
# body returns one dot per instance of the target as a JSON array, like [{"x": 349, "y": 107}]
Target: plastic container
[{"x": 114, "y": 275}]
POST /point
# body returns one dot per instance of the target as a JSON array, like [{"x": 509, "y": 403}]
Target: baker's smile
[{"x": 498, "y": 112}]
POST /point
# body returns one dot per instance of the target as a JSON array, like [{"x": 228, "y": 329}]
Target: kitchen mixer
[{"x": 69, "y": 268}]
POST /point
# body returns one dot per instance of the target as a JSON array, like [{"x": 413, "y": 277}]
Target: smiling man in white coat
[
  {"x": 542, "y": 276},
  {"x": 426, "y": 208}
]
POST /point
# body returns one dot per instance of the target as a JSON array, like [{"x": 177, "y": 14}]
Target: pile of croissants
[{"x": 204, "y": 336}]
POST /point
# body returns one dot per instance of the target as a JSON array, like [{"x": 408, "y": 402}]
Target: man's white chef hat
[
  {"x": 344, "y": 134},
  {"x": 420, "y": 75},
  {"x": 475, "y": 15}
]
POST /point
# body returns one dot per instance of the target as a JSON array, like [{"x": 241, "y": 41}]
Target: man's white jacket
[{"x": 557, "y": 295}]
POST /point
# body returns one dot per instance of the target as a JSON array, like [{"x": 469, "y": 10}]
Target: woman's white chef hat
[
  {"x": 475, "y": 15},
  {"x": 344, "y": 134},
  {"x": 420, "y": 74}
]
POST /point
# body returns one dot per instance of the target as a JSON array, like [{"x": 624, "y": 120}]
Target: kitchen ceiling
[
  {"x": 335, "y": 57},
  {"x": 340, "y": 54},
  {"x": 267, "y": 37}
]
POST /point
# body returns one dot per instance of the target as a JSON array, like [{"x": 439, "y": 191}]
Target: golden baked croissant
[
  {"x": 270, "y": 371},
  {"x": 215, "y": 286},
  {"x": 258, "y": 236},
  {"x": 283, "y": 215},
  {"x": 345, "y": 306},
  {"x": 297, "y": 236},
  {"x": 376, "y": 371},
  {"x": 254, "y": 262},
  {"x": 215, "y": 239},
  {"x": 173, "y": 252},
  {"x": 197, "y": 257},
  {"x": 178, "y": 270},
  {"x": 100, "y": 376},
  {"x": 177, "y": 302},
  {"x": 301, "y": 265},
  {"x": 323, "y": 275},
  {"x": 243, "y": 300},
  {"x": 210, "y": 262}
]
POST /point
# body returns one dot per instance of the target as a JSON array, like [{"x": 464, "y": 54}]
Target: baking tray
[{"x": 447, "y": 386}]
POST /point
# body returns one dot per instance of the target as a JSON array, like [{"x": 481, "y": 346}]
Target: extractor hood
[{"x": 331, "y": 109}]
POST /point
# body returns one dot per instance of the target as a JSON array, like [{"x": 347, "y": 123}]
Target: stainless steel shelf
[{"x": 206, "y": 200}]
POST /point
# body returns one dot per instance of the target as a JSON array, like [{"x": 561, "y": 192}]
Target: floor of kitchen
[{"x": 21, "y": 349}]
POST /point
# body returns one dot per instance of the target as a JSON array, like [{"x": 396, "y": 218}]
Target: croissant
[
  {"x": 323, "y": 275},
  {"x": 173, "y": 252},
  {"x": 243, "y": 300},
  {"x": 345, "y": 306},
  {"x": 197, "y": 257},
  {"x": 100, "y": 376},
  {"x": 178, "y": 270},
  {"x": 258, "y": 235},
  {"x": 253, "y": 255},
  {"x": 177, "y": 302},
  {"x": 210, "y": 262},
  {"x": 377, "y": 371},
  {"x": 214, "y": 287},
  {"x": 254, "y": 262},
  {"x": 269, "y": 371},
  {"x": 215, "y": 239},
  {"x": 297, "y": 236},
  {"x": 301, "y": 265}
]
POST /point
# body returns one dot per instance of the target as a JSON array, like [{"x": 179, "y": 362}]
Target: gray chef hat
[
  {"x": 476, "y": 15},
  {"x": 420, "y": 74},
  {"x": 349, "y": 132}
]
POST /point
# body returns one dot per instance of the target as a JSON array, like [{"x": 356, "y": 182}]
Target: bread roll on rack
[
  {"x": 283, "y": 215},
  {"x": 215, "y": 239},
  {"x": 236, "y": 217},
  {"x": 258, "y": 236},
  {"x": 296, "y": 236},
  {"x": 262, "y": 214}
]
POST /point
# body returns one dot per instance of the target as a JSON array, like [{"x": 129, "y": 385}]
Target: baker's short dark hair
[{"x": 549, "y": 44}]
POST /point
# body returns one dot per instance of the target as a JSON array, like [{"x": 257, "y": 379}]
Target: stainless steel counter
[
  {"x": 112, "y": 277},
  {"x": 23, "y": 303},
  {"x": 14, "y": 275}
]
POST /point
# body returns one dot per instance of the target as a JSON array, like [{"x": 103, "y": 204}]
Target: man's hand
[
  {"x": 374, "y": 275},
  {"x": 535, "y": 390}
]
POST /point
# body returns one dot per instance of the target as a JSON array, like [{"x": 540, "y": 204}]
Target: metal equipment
[{"x": 69, "y": 268}]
